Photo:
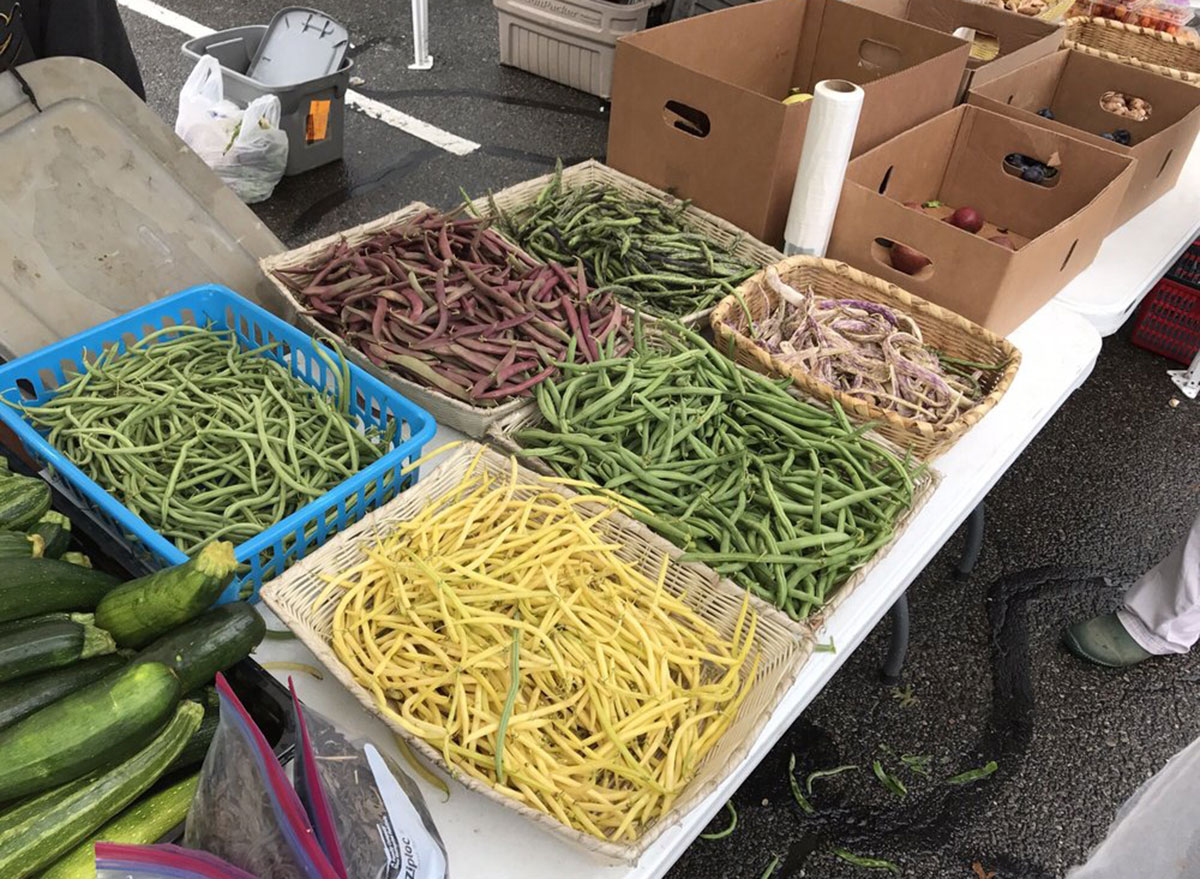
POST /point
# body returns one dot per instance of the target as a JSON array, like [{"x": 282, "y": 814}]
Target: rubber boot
[{"x": 1104, "y": 641}]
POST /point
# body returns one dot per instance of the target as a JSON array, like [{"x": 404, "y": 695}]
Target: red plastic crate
[
  {"x": 1168, "y": 322},
  {"x": 1187, "y": 268}
]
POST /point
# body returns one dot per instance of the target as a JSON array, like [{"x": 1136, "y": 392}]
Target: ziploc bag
[
  {"x": 370, "y": 817},
  {"x": 160, "y": 862},
  {"x": 245, "y": 810}
]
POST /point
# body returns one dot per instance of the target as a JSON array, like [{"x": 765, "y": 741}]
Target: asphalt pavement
[{"x": 1099, "y": 496}]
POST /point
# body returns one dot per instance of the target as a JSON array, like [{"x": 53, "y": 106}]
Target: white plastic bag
[{"x": 246, "y": 148}]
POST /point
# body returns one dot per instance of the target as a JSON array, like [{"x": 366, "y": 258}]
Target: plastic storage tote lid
[
  {"x": 299, "y": 45},
  {"x": 104, "y": 210}
]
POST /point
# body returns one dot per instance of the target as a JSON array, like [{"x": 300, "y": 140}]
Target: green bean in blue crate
[
  {"x": 779, "y": 495},
  {"x": 204, "y": 439}
]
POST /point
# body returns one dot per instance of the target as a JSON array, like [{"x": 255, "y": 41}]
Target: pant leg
[
  {"x": 87, "y": 29},
  {"x": 1162, "y": 610}
]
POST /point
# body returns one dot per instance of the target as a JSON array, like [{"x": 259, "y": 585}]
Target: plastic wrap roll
[{"x": 828, "y": 139}]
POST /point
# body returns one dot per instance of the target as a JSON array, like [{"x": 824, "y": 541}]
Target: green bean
[
  {"x": 642, "y": 249},
  {"x": 784, "y": 498},
  {"x": 204, "y": 438}
]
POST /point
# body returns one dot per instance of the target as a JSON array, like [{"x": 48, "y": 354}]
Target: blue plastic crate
[{"x": 35, "y": 378}]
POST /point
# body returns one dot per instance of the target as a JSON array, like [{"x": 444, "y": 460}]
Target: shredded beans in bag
[
  {"x": 370, "y": 817},
  {"x": 245, "y": 809}
]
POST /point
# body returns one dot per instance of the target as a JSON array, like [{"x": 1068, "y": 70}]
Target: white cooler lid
[{"x": 103, "y": 209}]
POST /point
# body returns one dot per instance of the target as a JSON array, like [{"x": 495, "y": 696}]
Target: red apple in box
[
  {"x": 905, "y": 259},
  {"x": 967, "y": 219}
]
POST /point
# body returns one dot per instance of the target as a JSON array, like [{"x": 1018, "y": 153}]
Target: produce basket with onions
[
  {"x": 921, "y": 375},
  {"x": 501, "y": 685}
]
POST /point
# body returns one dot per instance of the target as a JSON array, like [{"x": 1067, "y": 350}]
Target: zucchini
[
  {"x": 212, "y": 642},
  {"x": 196, "y": 749},
  {"x": 23, "y": 697},
  {"x": 89, "y": 729},
  {"x": 139, "y": 611},
  {"x": 18, "y": 545},
  {"x": 143, "y": 823},
  {"x": 77, "y": 558},
  {"x": 29, "y": 587},
  {"x": 50, "y": 644},
  {"x": 37, "y": 832},
  {"x": 55, "y": 530},
  {"x": 22, "y": 624},
  {"x": 23, "y": 500}
]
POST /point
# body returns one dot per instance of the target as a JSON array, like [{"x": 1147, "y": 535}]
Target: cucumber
[
  {"x": 143, "y": 823},
  {"x": 23, "y": 500},
  {"x": 18, "y": 545},
  {"x": 22, "y": 697},
  {"x": 50, "y": 644},
  {"x": 37, "y": 832},
  {"x": 212, "y": 642},
  {"x": 55, "y": 530},
  {"x": 94, "y": 727},
  {"x": 29, "y": 587},
  {"x": 139, "y": 611}
]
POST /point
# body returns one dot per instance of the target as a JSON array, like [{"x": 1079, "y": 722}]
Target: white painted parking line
[{"x": 386, "y": 114}]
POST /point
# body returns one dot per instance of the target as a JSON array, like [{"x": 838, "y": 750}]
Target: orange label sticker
[{"x": 317, "y": 126}]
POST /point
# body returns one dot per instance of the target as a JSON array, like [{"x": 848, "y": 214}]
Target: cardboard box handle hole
[
  {"x": 887, "y": 176},
  {"x": 1163, "y": 167},
  {"x": 1067, "y": 258},
  {"x": 879, "y": 58},
  {"x": 881, "y": 252},
  {"x": 687, "y": 119},
  {"x": 1023, "y": 168}
]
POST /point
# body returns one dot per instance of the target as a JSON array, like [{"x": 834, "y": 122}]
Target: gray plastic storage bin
[
  {"x": 568, "y": 41},
  {"x": 313, "y": 113}
]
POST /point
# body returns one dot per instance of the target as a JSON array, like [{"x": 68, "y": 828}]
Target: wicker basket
[
  {"x": 1136, "y": 46},
  {"x": 591, "y": 171},
  {"x": 782, "y": 646},
  {"x": 446, "y": 410},
  {"x": 945, "y": 330},
  {"x": 501, "y": 436}
]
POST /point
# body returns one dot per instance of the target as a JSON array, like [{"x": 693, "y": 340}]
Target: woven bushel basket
[
  {"x": 709, "y": 225},
  {"x": 445, "y": 409},
  {"x": 950, "y": 333},
  {"x": 1136, "y": 46},
  {"x": 781, "y": 647}
]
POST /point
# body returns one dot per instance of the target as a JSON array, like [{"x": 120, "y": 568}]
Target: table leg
[
  {"x": 898, "y": 643},
  {"x": 974, "y": 543}
]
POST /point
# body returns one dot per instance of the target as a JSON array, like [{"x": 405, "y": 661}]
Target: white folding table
[
  {"x": 1059, "y": 346},
  {"x": 1059, "y": 349}
]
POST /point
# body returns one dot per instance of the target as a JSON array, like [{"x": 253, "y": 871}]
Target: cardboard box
[
  {"x": 958, "y": 159},
  {"x": 697, "y": 105},
  {"x": 1017, "y": 39},
  {"x": 1071, "y": 84}
]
